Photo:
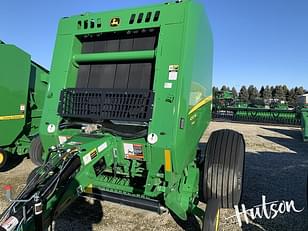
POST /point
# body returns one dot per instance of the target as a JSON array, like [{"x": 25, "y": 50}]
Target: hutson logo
[{"x": 268, "y": 210}]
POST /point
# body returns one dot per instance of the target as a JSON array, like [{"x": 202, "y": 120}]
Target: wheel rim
[
  {"x": 1, "y": 158},
  {"x": 217, "y": 220}
]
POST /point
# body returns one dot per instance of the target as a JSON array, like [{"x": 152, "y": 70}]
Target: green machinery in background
[
  {"x": 129, "y": 100},
  {"x": 223, "y": 99},
  {"x": 303, "y": 103},
  {"x": 304, "y": 123},
  {"x": 23, "y": 84},
  {"x": 229, "y": 108}
]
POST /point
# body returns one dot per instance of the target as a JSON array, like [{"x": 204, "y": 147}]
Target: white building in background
[{"x": 302, "y": 99}]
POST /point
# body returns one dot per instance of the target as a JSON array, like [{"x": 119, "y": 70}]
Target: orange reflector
[{"x": 168, "y": 160}]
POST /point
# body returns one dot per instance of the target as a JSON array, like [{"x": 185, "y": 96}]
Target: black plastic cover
[{"x": 98, "y": 104}]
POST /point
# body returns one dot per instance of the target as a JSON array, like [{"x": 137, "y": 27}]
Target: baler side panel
[{"x": 14, "y": 71}]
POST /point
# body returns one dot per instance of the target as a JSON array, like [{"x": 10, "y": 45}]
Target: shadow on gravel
[
  {"x": 279, "y": 177},
  {"x": 292, "y": 133},
  {"x": 294, "y": 142},
  {"x": 81, "y": 215},
  {"x": 12, "y": 162}
]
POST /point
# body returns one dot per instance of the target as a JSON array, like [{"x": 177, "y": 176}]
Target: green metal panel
[
  {"x": 23, "y": 89},
  {"x": 15, "y": 67}
]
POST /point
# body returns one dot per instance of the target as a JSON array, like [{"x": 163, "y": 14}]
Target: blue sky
[{"x": 257, "y": 42}]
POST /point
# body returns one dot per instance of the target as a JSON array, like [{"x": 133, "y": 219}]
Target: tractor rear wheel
[
  {"x": 223, "y": 168},
  {"x": 36, "y": 151},
  {"x": 3, "y": 158}
]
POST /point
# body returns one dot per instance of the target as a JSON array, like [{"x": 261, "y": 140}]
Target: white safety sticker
[
  {"x": 22, "y": 107},
  {"x": 89, "y": 157},
  {"x": 168, "y": 85},
  {"x": 173, "y": 75},
  {"x": 10, "y": 224},
  {"x": 102, "y": 147},
  {"x": 173, "y": 72},
  {"x": 133, "y": 151}
]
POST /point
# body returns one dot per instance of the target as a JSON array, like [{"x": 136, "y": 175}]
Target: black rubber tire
[
  {"x": 211, "y": 216},
  {"x": 3, "y": 158},
  {"x": 36, "y": 151},
  {"x": 224, "y": 168}
]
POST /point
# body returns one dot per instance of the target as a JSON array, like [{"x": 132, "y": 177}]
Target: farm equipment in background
[
  {"x": 223, "y": 99},
  {"x": 23, "y": 86},
  {"x": 129, "y": 100},
  {"x": 303, "y": 102},
  {"x": 274, "y": 113},
  {"x": 304, "y": 123}
]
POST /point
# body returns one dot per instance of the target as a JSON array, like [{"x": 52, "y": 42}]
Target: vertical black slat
[
  {"x": 108, "y": 45},
  {"x": 156, "y": 16},
  {"x": 140, "y": 17},
  {"x": 83, "y": 76},
  {"x": 99, "y": 46},
  {"x": 140, "y": 76},
  {"x": 121, "y": 76},
  {"x": 144, "y": 43},
  {"x": 126, "y": 44},
  {"x": 102, "y": 76},
  {"x": 148, "y": 17},
  {"x": 132, "y": 18},
  {"x": 87, "y": 47}
]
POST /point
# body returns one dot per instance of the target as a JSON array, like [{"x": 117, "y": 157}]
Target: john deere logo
[{"x": 115, "y": 22}]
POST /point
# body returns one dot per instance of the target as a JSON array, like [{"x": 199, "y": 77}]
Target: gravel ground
[{"x": 276, "y": 167}]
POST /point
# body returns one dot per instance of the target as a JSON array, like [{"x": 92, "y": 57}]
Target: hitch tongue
[{"x": 8, "y": 192}]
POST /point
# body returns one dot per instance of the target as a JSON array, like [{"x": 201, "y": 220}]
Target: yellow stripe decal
[
  {"x": 168, "y": 160},
  {"x": 12, "y": 117},
  {"x": 200, "y": 104}
]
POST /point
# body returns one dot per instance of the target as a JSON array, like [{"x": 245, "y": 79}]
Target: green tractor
[
  {"x": 23, "y": 87},
  {"x": 129, "y": 100}
]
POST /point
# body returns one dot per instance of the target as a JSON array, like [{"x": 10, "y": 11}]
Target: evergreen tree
[
  {"x": 234, "y": 92},
  {"x": 267, "y": 93},
  {"x": 261, "y": 93},
  {"x": 292, "y": 98},
  {"x": 285, "y": 91},
  {"x": 300, "y": 91},
  {"x": 225, "y": 88},
  {"x": 243, "y": 95},
  {"x": 253, "y": 93},
  {"x": 279, "y": 93},
  {"x": 214, "y": 90}
]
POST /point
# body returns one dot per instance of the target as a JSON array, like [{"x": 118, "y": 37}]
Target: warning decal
[
  {"x": 89, "y": 157},
  {"x": 173, "y": 72},
  {"x": 133, "y": 151}
]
